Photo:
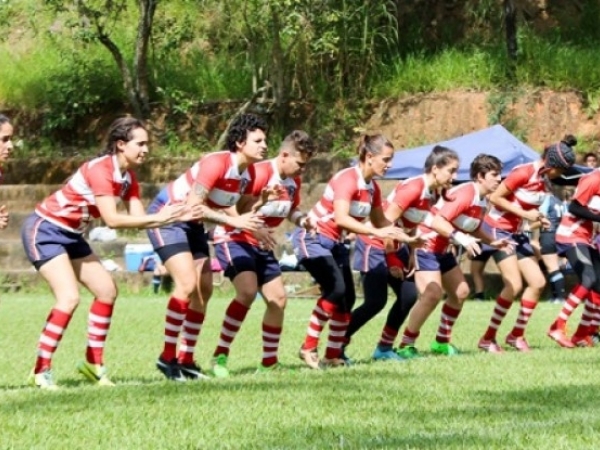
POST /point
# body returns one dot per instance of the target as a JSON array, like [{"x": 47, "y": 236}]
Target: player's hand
[
  {"x": 265, "y": 238},
  {"x": 506, "y": 245},
  {"x": 249, "y": 221}
]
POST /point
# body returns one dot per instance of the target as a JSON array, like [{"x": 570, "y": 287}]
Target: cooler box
[{"x": 134, "y": 253}]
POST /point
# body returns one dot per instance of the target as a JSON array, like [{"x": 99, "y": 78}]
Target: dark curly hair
[
  {"x": 241, "y": 126},
  {"x": 560, "y": 155},
  {"x": 120, "y": 130}
]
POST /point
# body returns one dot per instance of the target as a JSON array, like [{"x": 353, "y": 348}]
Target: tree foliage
[{"x": 95, "y": 21}]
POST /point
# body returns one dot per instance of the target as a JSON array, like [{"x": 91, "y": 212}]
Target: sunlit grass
[{"x": 546, "y": 399}]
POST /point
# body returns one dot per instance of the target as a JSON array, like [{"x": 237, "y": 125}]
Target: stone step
[
  {"x": 297, "y": 284},
  {"x": 30, "y": 280},
  {"x": 12, "y": 255}
]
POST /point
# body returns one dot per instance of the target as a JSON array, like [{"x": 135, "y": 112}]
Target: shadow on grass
[
  {"x": 490, "y": 420},
  {"x": 79, "y": 394}
]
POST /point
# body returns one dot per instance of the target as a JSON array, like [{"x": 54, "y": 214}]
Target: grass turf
[{"x": 545, "y": 399}]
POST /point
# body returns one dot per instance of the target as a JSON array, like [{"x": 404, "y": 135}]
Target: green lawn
[{"x": 544, "y": 400}]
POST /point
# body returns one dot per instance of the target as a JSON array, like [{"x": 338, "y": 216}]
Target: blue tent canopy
[{"x": 495, "y": 140}]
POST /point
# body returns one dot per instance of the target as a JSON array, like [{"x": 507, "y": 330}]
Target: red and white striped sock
[
  {"x": 55, "y": 326},
  {"x": 585, "y": 323},
  {"x": 576, "y": 296},
  {"x": 449, "y": 316},
  {"x": 337, "y": 334},
  {"x": 409, "y": 337},
  {"x": 525, "y": 311},
  {"x": 500, "y": 310},
  {"x": 388, "y": 337},
  {"x": 595, "y": 322},
  {"x": 192, "y": 325},
  {"x": 234, "y": 317},
  {"x": 176, "y": 311},
  {"x": 323, "y": 310},
  {"x": 270, "y": 338},
  {"x": 99, "y": 320}
]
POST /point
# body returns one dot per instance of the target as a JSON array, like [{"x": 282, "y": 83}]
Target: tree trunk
[
  {"x": 140, "y": 65},
  {"x": 510, "y": 23},
  {"x": 128, "y": 83},
  {"x": 279, "y": 79}
]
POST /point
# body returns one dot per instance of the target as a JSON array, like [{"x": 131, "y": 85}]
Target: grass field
[{"x": 543, "y": 400}]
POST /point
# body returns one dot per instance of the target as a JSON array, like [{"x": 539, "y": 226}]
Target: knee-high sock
[
  {"x": 500, "y": 310},
  {"x": 56, "y": 324},
  {"x": 99, "y": 320},
  {"x": 234, "y": 317}
]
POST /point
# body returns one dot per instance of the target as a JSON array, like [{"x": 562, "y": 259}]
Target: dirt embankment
[{"x": 537, "y": 117}]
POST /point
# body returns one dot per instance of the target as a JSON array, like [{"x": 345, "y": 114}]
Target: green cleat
[
  {"x": 219, "y": 366},
  {"x": 444, "y": 348},
  {"x": 43, "y": 380},
  {"x": 96, "y": 373},
  {"x": 408, "y": 352}
]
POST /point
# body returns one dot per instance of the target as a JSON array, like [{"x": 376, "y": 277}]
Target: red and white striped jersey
[
  {"x": 414, "y": 198},
  {"x": 349, "y": 185},
  {"x": 216, "y": 172},
  {"x": 265, "y": 174},
  {"x": 464, "y": 209},
  {"x": 574, "y": 230},
  {"x": 528, "y": 191},
  {"x": 74, "y": 205}
]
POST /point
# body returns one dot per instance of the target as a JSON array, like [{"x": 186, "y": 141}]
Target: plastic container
[{"x": 134, "y": 253}]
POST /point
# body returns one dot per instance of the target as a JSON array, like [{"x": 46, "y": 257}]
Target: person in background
[
  {"x": 552, "y": 209},
  {"x": 6, "y": 148},
  {"x": 160, "y": 276},
  {"x": 575, "y": 240},
  {"x": 215, "y": 183},
  {"x": 351, "y": 196},
  {"x": 590, "y": 159},
  {"x": 456, "y": 218},
  {"x": 248, "y": 259},
  {"x": 477, "y": 271},
  {"x": 518, "y": 199},
  {"x": 53, "y": 241}
]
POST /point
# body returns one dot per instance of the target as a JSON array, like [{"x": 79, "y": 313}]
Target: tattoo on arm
[
  {"x": 218, "y": 217},
  {"x": 209, "y": 214},
  {"x": 201, "y": 193}
]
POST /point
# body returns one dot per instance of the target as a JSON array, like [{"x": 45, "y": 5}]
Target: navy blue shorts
[
  {"x": 43, "y": 241},
  {"x": 177, "y": 237},
  {"x": 434, "y": 262},
  {"x": 307, "y": 245},
  {"x": 238, "y": 257},
  {"x": 548, "y": 242},
  {"x": 523, "y": 249},
  {"x": 368, "y": 258}
]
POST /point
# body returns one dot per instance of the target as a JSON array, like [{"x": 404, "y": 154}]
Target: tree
[
  {"x": 94, "y": 21},
  {"x": 510, "y": 22}
]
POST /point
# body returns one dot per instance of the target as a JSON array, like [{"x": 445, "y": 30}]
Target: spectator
[{"x": 590, "y": 159}]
